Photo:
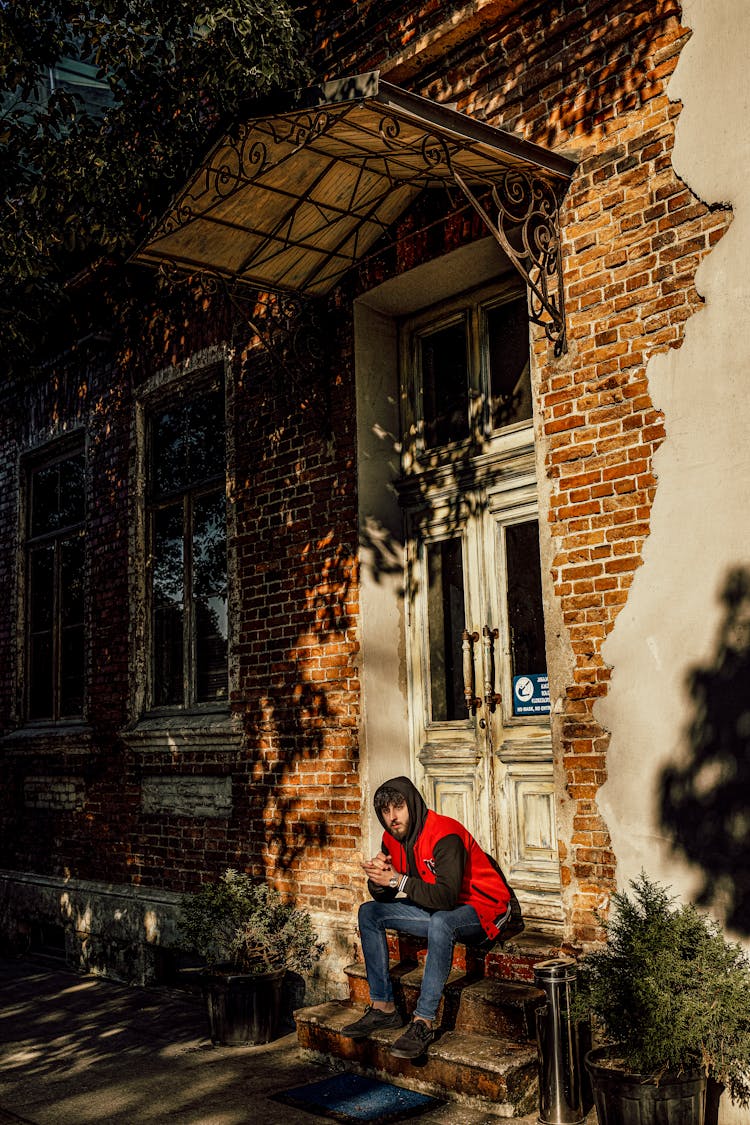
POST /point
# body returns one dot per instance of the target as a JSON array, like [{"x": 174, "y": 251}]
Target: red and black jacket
[{"x": 445, "y": 865}]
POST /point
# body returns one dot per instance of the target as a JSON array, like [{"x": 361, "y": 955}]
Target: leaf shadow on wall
[{"x": 704, "y": 802}]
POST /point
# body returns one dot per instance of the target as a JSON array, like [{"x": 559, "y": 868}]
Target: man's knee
[
  {"x": 369, "y": 913},
  {"x": 442, "y": 924}
]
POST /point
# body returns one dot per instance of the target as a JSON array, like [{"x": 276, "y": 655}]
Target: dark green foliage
[
  {"x": 670, "y": 990},
  {"x": 80, "y": 180},
  {"x": 249, "y": 926}
]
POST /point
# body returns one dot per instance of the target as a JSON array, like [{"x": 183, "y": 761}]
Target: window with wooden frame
[
  {"x": 467, "y": 384},
  {"x": 55, "y": 582},
  {"x": 187, "y": 550}
]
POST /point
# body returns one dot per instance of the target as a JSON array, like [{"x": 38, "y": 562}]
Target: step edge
[
  {"x": 525, "y": 990},
  {"x": 385, "y": 1038},
  {"x": 506, "y": 1110}
]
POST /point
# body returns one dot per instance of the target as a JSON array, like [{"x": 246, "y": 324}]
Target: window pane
[
  {"x": 206, "y": 454},
  {"x": 188, "y": 444},
  {"x": 445, "y": 385},
  {"x": 445, "y": 623},
  {"x": 40, "y": 676},
  {"x": 168, "y": 452},
  {"x": 42, "y": 588},
  {"x": 72, "y": 491},
  {"x": 71, "y": 672},
  {"x": 510, "y": 380},
  {"x": 525, "y": 612},
  {"x": 168, "y": 579},
  {"x": 57, "y": 495},
  {"x": 71, "y": 618},
  {"x": 44, "y": 499},
  {"x": 71, "y": 580},
  {"x": 210, "y": 596},
  {"x": 41, "y": 620},
  {"x": 55, "y": 589}
]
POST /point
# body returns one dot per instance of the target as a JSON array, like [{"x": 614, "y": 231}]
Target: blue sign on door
[{"x": 531, "y": 694}]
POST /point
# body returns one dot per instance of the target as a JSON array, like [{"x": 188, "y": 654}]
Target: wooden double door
[{"x": 478, "y": 690}]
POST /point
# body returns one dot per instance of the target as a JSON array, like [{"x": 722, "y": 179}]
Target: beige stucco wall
[{"x": 672, "y": 621}]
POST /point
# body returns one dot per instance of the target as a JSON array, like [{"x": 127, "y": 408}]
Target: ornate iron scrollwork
[
  {"x": 289, "y": 328},
  {"x": 527, "y": 228},
  {"x": 389, "y": 153}
]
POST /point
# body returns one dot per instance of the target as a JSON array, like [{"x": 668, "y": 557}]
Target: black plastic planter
[
  {"x": 243, "y": 1009},
  {"x": 636, "y": 1099}
]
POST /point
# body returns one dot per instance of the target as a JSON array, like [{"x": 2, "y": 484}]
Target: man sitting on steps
[{"x": 453, "y": 892}]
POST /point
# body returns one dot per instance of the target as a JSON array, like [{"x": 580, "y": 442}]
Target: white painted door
[{"x": 481, "y": 742}]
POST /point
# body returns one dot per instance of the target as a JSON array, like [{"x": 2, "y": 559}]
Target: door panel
[
  {"x": 522, "y": 743},
  {"x": 476, "y": 611},
  {"x": 482, "y": 752},
  {"x": 451, "y": 751},
  {"x": 456, "y": 797}
]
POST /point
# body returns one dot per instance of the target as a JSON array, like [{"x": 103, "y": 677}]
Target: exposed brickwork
[
  {"x": 299, "y": 682},
  {"x": 587, "y": 79},
  {"x": 293, "y": 782},
  {"x": 593, "y": 85},
  {"x": 590, "y": 81}
]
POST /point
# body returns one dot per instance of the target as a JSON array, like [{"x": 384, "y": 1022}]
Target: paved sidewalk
[{"x": 77, "y": 1049}]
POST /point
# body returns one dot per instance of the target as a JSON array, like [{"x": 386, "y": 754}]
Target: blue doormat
[{"x": 352, "y": 1098}]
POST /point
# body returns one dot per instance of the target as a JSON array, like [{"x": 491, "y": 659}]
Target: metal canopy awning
[{"x": 290, "y": 199}]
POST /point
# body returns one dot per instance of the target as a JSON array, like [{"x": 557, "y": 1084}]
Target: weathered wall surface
[
  {"x": 678, "y": 704},
  {"x": 593, "y": 84},
  {"x": 109, "y": 803},
  {"x": 587, "y": 79}
]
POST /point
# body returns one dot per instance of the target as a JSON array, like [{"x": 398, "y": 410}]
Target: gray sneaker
[
  {"x": 372, "y": 1020},
  {"x": 414, "y": 1042}
]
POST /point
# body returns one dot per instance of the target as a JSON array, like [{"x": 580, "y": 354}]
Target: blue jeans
[{"x": 441, "y": 928}]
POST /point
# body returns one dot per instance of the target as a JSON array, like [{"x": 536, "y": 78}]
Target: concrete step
[
  {"x": 496, "y": 1073},
  {"x": 498, "y": 1007}
]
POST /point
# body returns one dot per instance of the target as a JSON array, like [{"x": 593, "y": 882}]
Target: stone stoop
[{"x": 485, "y": 1052}]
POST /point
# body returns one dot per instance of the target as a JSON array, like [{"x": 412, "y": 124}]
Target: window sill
[
  {"x": 67, "y": 736},
  {"x": 184, "y": 731}
]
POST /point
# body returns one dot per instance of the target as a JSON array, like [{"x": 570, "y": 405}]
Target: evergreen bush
[
  {"x": 248, "y": 926},
  {"x": 670, "y": 990}
]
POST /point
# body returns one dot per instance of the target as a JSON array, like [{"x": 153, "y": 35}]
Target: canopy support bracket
[{"x": 528, "y": 230}]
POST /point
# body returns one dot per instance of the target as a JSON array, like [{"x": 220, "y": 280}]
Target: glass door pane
[
  {"x": 509, "y": 369},
  {"x": 445, "y": 385},
  {"x": 446, "y": 617},
  {"x": 528, "y": 657}
]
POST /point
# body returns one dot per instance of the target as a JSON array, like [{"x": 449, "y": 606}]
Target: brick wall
[
  {"x": 283, "y": 801},
  {"x": 589, "y": 80},
  {"x": 299, "y": 686}
]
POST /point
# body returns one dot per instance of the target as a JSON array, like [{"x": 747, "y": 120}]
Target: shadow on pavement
[{"x": 79, "y": 1049}]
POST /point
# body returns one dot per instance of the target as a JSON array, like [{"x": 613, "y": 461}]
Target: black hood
[{"x": 415, "y": 804}]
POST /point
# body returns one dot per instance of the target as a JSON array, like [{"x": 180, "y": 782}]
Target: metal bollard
[{"x": 559, "y": 1043}]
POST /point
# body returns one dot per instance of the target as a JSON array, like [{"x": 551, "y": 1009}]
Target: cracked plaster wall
[{"x": 699, "y": 522}]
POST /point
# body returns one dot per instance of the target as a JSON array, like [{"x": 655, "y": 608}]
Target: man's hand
[{"x": 379, "y": 869}]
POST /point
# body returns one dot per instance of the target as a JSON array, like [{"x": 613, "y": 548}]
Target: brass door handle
[
  {"x": 468, "y": 640},
  {"x": 491, "y": 697}
]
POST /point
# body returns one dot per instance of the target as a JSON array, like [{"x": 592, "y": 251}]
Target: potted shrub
[
  {"x": 250, "y": 938},
  {"x": 669, "y": 998}
]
